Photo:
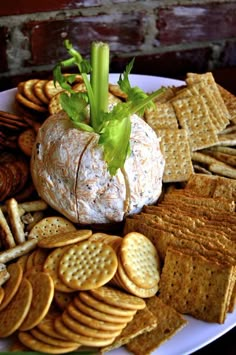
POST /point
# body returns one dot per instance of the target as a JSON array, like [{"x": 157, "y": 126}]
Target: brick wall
[{"x": 168, "y": 38}]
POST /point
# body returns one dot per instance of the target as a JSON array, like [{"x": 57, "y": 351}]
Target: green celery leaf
[
  {"x": 75, "y": 106},
  {"x": 115, "y": 137}
]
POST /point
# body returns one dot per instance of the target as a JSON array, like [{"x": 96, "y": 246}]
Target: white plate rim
[{"x": 182, "y": 343}]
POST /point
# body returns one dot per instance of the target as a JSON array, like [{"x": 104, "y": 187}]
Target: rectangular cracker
[
  {"x": 169, "y": 323},
  {"x": 144, "y": 321},
  {"x": 230, "y": 102},
  {"x": 6, "y": 236},
  {"x": 194, "y": 116},
  {"x": 163, "y": 116},
  {"x": 195, "y": 285},
  {"x": 176, "y": 150},
  {"x": 209, "y": 81}
]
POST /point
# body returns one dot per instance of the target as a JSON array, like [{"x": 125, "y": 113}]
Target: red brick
[
  {"x": 169, "y": 64},
  {"x": 123, "y": 33},
  {"x": 13, "y": 7},
  {"x": 3, "y": 47},
  {"x": 203, "y": 22}
]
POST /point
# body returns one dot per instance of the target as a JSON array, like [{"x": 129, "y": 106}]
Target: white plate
[{"x": 197, "y": 333}]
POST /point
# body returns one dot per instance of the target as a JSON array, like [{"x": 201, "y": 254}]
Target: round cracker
[
  {"x": 12, "y": 284},
  {"x": 47, "y": 339},
  {"x": 63, "y": 299},
  {"x": 43, "y": 291},
  {"x": 26, "y": 141},
  {"x": 87, "y": 330},
  {"x": 39, "y": 90},
  {"x": 118, "y": 298},
  {"x": 46, "y": 326},
  {"x": 65, "y": 238},
  {"x": 82, "y": 339},
  {"x": 51, "y": 226},
  {"x": 34, "y": 344},
  {"x": 51, "y": 267},
  {"x": 16, "y": 311},
  {"x": 1, "y": 294},
  {"x": 87, "y": 265},
  {"x": 29, "y": 104},
  {"x": 28, "y": 90},
  {"x": 127, "y": 284},
  {"x": 140, "y": 260},
  {"x": 104, "y": 307},
  {"x": 88, "y": 320}
]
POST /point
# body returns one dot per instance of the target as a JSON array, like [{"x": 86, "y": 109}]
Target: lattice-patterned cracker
[
  {"x": 163, "y": 116},
  {"x": 193, "y": 115},
  {"x": 209, "y": 80},
  {"x": 176, "y": 150},
  {"x": 195, "y": 285}
]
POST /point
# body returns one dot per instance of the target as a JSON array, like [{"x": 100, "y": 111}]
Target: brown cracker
[
  {"x": 87, "y": 265},
  {"x": 169, "y": 322},
  {"x": 176, "y": 150},
  {"x": 65, "y": 238},
  {"x": 193, "y": 115},
  {"x": 14, "y": 314},
  {"x": 196, "y": 285},
  {"x": 163, "y": 116},
  {"x": 12, "y": 285},
  {"x": 51, "y": 226}
]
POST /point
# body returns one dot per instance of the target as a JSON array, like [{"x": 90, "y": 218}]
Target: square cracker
[
  {"x": 163, "y": 116},
  {"x": 195, "y": 285},
  {"x": 169, "y": 322},
  {"x": 194, "y": 116},
  {"x": 202, "y": 184},
  {"x": 176, "y": 150},
  {"x": 143, "y": 321}
]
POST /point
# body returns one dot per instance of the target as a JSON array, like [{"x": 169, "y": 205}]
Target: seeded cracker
[
  {"x": 144, "y": 321},
  {"x": 193, "y": 115},
  {"x": 169, "y": 322},
  {"x": 195, "y": 285},
  {"x": 175, "y": 148}
]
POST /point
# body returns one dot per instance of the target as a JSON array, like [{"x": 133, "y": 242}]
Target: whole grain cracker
[
  {"x": 176, "y": 150},
  {"x": 34, "y": 344},
  {"x": 162, "y": 116},
  {"x": 169, "y": 322},
  {"x": 140, "y": 260},
  {"x": 87, "y": 265},
  {"x": 117, "y": 298},
  {"x": 196, "y": 285},
  {"x": 12, "y": 285},
  {"x": 144, "y": 321},
  {"x": 193, "y": 115},
  {"x": 51, "y": 226},
  {"x": 43, "y": 291},
  {"x": 16, "y": 311},
  {"x": 65, "y": 238}
]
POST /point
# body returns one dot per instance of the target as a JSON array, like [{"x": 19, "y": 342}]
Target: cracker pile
[
  {"x": 193, "y": 229},
  {"x": 197, "y": 125},
  {"x": 60, "y": 295}
]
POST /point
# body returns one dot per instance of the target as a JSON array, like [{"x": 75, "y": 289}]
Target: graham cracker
[
  {"x": 169, "y": 323},
  {"x": 143, "y": 321},
  {"x": 195, "y": 285},
  {"x": 193, "y": 115},
  {"x": 176, "y": 150}
]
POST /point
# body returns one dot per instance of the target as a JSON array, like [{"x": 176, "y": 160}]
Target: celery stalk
[{"x": 99, "y": 80}]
